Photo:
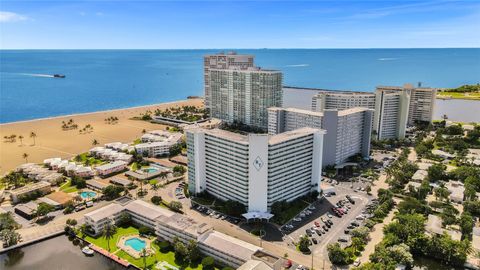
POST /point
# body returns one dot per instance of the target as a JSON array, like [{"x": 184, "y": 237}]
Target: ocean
[{"x": 111, "y": 79}]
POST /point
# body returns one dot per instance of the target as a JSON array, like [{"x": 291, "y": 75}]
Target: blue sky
[{"x": 238, "y": 24}]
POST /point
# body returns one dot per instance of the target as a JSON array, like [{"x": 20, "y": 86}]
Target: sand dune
[{"x": 52, "y": 141}]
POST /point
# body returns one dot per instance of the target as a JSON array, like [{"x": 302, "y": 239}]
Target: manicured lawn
[
  {"x": 150, "y": 260},
  {"x": 102, "y": 242},
  {"x": 68, "y": 188},
  {"x": 92, "y": 160},
  {"x": 159, "y": 256}
]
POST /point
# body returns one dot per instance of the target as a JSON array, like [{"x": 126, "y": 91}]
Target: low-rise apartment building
[
  {"x": 41, "y": 187},
  {"x": 169, "y": 225},
  {"x": 158, "y": 143},
  {"x": 111, "y": 168}
]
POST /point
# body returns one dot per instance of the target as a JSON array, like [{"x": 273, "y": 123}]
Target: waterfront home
[
  {"x": 38, "y": 173},
  {"x": 41, "y": 187},
  {"x": 158, "y": 143},
  {"x": 111, "y": 168},
  {"x": 119, "y": 146},
  {"x": 110, "y": 154}
]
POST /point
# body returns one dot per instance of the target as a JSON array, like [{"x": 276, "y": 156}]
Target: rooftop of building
[
  {"x": 111, "y": 165},
  {"x": 434, "y": 225},
  {"x": 290, "y": 135},
  {"x": 104, "y": 212},
  {"x": 184, "y": 223},
  {"x": 147, "y": 210},
  {"x": 296, "y": 110},
  {"x": 229, "y": 245},
  {"x": 254, "y": 265},
  {"x": 30, "y": 187}
]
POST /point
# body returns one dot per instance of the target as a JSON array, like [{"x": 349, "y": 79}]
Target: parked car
[
  {"x": 314, "y": 241},
  {"x": 346, "y": 231},
  {"x": 356, "y": 262},
  {"x": 342, "y": 240}
]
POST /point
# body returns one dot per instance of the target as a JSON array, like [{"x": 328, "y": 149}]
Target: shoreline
[
  {"x": 53, "y": 141},
  {"x": 96, "y": 112}
]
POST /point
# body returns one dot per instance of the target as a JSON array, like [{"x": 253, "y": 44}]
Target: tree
[
  {"x": 466, "y": 223},
  {"x": 155, "y": 187},
  {"x": 361, "y": 233},
  {"x": 179, "y": 169},
  {"x": 157, "y": 200},
  {"x": 124, "y": 220},
  {"x": 7, "y": 222},
  {"x": 21, "y": 139},
  {"x": 208, "y": 262},
  {"x": 193, "y": 251},
  {"x": 43, "y": 209},
  {"x": 234, "y": 208},
  {"x": 10, "y": 237},
  {"x": 33, "y": 135},
  {"x": 95, "y": 142},
  {"x": 441, "y": 193},
  {"x": 336, "y": 254},
  {"x": 304, "y": 244},
  {"x": 83, "y": 230},
  {"x": 25, "y": 156},
  {"x": 109, "y": 231},
  {"x": 392, "y": 255},
  {"x": 179, "y": 248},
  {"x": 144, "y": 254},
  {"x": 175, "y": 206},
  {"x": 411, "y": 205},
  {"x": 449, "y": 215},
  {"x": 436, "y": 172},
  {"x": 112, "y": 192}
]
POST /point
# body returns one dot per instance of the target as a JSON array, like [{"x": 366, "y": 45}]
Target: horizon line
[{"x": 286, "y": 48}]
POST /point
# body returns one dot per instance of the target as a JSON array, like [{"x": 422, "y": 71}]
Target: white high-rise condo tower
[{"x": 256, "y": 170}]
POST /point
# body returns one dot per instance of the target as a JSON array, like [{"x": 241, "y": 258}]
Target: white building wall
[{"x": 257, "y": 172}]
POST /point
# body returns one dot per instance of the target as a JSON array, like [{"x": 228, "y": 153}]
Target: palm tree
[
  {"x": 33, "y": 135},
  {"x": 108, "y": 232},
  {"x": 144, "y": 131},
  {"x": 94, "y": 142},
  {"x": 144, "y": 256},
  {"x": 83, "y": 230},
  {"x": 25, "y": 156},
  {"x": 21, "y": 139},
  {"x": 163, "y": 175},
  {"x": 155, "y": 187}
]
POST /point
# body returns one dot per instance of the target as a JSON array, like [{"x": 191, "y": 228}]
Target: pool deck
[{"x": 130, "y": 250}]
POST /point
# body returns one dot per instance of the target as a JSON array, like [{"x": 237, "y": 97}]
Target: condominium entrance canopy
[
  {"x": 257, "y": 215},
  {"x": 346, "y": 164}
]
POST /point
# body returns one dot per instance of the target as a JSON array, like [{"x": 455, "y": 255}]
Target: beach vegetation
[
  {"x": 25, "y": 156},
  {"x": 10, "y": 138},
  {"x": 69, "y": 125},
  {"x": 33, "y": 136},
  {"x": 112, "y": 120},
  {"x": 21, "y": 139},
  {"x": 183, "y": 113}
]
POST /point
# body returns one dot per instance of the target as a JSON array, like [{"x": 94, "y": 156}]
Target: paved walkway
[{"x": 376, "y": 236}]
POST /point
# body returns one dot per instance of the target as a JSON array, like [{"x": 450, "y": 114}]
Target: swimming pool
[
  {"x": 136, "y": 243},
  {"x": 87, "y": 194},
  {"x": 151, "y": 170}
]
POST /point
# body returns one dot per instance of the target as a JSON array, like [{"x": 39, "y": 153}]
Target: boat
[
  {"x": 87, "y": 251},
  {"x": 58, "y": 76}
]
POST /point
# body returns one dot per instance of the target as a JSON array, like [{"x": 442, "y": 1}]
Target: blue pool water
[
  {"x": 150, "y": 170},
  {"x": 136, "y": 243},
  {"x": 87, "y": 194},
  {"x": 142, "y": 77}
]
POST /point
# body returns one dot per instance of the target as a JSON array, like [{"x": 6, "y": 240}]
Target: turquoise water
[
  {"x": 109, "y": 79},
  {"x": 136, "y": 243},
  {"x": 150, "y": 170},
  {"x": 87, "y": 194}
]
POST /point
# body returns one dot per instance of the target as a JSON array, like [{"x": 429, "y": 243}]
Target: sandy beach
[{"x": 53, "y": 141}]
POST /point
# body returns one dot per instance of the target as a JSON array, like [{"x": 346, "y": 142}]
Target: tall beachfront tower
[
  {"x": 244, "y": 95},
  {"x": 391, "y": 113},
  {"x": 348, "y": 131},
  {"x": 256, "y": 170},
  {"x": 422, "y": 101},
  {"x": 223, "y": 61}
]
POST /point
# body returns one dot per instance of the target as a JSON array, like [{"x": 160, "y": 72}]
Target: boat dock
[{"x": 110, "y": 256}]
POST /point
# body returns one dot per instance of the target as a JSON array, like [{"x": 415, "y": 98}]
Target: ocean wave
[
  {"x": 298, "y": 65},
  {"x": 386, "y": 59}
]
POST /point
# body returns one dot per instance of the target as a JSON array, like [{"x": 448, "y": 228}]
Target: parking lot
[{"x": 328, "y": 227}]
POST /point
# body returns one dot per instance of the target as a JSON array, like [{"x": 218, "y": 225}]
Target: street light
[{"x": 262, "y": 234}]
